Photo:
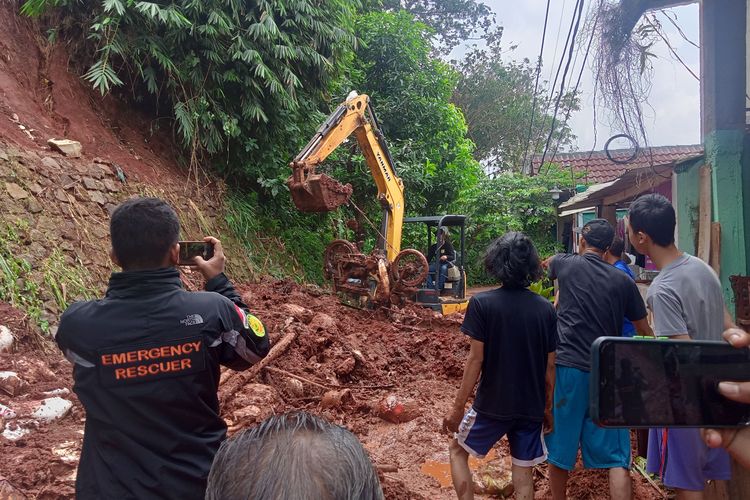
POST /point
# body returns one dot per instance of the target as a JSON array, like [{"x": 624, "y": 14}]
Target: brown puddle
[{"x": 442, "y": 471}]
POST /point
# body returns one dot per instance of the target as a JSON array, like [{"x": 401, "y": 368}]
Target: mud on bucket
[{"x": 318, "y": 193}]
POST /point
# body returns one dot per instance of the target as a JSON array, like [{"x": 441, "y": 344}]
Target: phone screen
[
  {"x": 666, "y": 383},
  {"x": 191, "y": 249}
]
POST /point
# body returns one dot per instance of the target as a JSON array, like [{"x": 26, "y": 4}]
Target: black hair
[
  {"x": 294, "y": 455},
  {"x": 513, "y": 260},
  {"x": 653, "y": 214},
  {"x": 142, "y": 231},
  {"x": 617, "y": 247}
]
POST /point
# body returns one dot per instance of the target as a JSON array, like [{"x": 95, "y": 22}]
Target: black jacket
[
  {"x": 445, "y": 249},
  {"x": 146, "y": 369}
]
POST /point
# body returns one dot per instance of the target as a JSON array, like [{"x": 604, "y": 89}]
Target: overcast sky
[{"x": 674, "y": 114}]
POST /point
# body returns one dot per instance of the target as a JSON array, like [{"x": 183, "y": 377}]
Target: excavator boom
[
  {"x": 316, "y": 192},
  {"x": 387, "y": 275}
]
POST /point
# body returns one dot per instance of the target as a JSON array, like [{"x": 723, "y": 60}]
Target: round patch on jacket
[{"x": 255, "y": 325}]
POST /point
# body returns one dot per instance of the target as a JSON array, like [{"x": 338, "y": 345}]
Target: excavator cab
[{"x": 452, "y": 298}]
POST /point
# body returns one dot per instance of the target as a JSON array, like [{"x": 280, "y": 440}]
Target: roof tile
[{"x": 600, "y": 169}]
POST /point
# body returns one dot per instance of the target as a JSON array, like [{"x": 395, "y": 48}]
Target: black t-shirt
[
  {"x": 594, "y": 297},
  {"x": 518, "y": 329}
]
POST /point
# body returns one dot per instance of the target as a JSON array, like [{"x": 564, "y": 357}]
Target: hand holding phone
[
  {"x": 189, "y": 250},
  {"x": 641, "y": 383},
  {"x": 214, "y": 264},
  {"x": 736, "y": 441}
]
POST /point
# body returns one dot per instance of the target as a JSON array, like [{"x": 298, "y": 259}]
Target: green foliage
[
  {"x": 497, "y": 98},
  {"x": 452, "y": 21},
  {"x": 511, "y": 202},
  {"x": 229, "y": 72},
  {"x": 281, "y": 241},
  {"x": 15, "y": 286},
  {"x": 25, "y": 288},
  {"x": 65, "y": 282},
  {"x": 540, "y": 288},
  {"x": 410, "y": 92}
]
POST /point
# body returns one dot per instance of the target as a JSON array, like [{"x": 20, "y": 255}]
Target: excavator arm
[{"x": 314, "y": 192}]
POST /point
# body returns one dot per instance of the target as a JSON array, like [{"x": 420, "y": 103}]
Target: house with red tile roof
[{"x": 614, "y": 179}]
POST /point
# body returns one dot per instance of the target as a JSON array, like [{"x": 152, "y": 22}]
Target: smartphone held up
[
  {"x": 639, "y": 383},
  {"x": 191, "y": 249}
]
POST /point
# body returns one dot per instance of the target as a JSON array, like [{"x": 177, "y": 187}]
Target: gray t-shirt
[{"x": 686, "y": 298}]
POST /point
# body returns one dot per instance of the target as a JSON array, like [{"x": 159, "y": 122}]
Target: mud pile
[{"x": 388, "y": 376}]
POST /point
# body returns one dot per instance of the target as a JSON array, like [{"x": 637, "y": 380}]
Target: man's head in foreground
[
  {"x": 295, "y": 455},
  {"x": 144, "y": 233},
  {"x": 651, "y": 223},
  {"x": 596, "y": 235}
]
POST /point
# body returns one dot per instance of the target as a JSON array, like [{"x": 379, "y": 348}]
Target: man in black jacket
[
  {"x": 146, "y": 362},
  {"x": 440, "y": 256}
]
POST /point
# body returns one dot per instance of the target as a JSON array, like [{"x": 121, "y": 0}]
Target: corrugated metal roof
[{"x": 600, "y": 169}]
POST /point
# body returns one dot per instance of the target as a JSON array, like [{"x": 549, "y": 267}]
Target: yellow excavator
[{"x": 388, "y": 275}]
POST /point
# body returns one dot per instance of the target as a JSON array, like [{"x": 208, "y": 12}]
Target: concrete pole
[{"x": 723, "y": 88}]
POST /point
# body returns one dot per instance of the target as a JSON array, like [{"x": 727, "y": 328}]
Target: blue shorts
[
  {"x": 683, "y": 460},
  {"x": 573, "y": 427},
  {"x": 478, "y": 433}
]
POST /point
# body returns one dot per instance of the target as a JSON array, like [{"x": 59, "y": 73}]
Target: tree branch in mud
[{"x": 234, "y": 383}]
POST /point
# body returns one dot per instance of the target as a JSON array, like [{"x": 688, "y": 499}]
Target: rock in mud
[
  {"x": 15, "y": 191},
  {"x": 497, "y": 487},
  {"x": 323, "y": 322},
  {"x": 301, "y": 314},
  {"x": 335, "y": 399},
  {"x": 254, "y": 403},
  {"x": 6, "y": 339},
  {"x": 6, "y": 414},
  {"x": 14, "y": 432},
  {"x": 396, "y": 410},
  {"x": 345, "y": 367},
  {"x": 11, "y": 383},
  {"x": 66, "y": 147},
  {"x": 52, "y": 409},
  {"x": 294, "y": 386},
  {"x": 10, "y": 492}
]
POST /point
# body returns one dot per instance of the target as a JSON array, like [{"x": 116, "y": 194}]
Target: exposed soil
[{"x": 413, "y": 355}]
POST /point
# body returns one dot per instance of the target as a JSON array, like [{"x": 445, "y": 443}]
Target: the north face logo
[{"x": 192, "y": 319}]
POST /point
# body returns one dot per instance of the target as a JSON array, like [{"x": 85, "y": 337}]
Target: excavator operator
[{"x": 444, "y": 248}]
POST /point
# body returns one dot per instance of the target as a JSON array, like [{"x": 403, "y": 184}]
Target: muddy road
[{"x": 387, "y": 376}]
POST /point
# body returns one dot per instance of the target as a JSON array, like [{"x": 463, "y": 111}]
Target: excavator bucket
[{"x": 318, "y": 193}]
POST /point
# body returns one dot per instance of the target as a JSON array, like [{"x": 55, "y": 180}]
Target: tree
[
  {"x": 511, "y": 201},
  {"x": 452, "y": 21},
  {"x": 498, "y": 100},
  {"x": 241, "y": 79},
  {"x": 411, "y": 91}
]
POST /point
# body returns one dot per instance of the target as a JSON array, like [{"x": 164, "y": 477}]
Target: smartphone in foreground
[
  {"x": 638, "y": 383},
  {"x": 191, "y": 249}
]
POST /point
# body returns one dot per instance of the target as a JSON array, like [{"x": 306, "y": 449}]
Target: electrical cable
[
  {"x": 580, "y": 74},
  {"x": 557, "y": 41},
  {"x": 669, "y": 46},
  {"x": 536, "y": 86},
  {"x": 578, "y": 6},
  {"x": 577, "y": 17},
  {"x": 682, "y": 33}
]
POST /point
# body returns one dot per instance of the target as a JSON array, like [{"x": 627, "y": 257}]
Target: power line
[
  {"x": 539, "y": 136},
  {"x": 682, "y": 33},
  {"x": 536, "y": 85},
  {"x": 565, "y": 49},
  {"x": 669, "y": 46},
  {"x": 577, "y": 18},
  {"x": 557, "y": 41},
  {"x": 580, "y": 74}
]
